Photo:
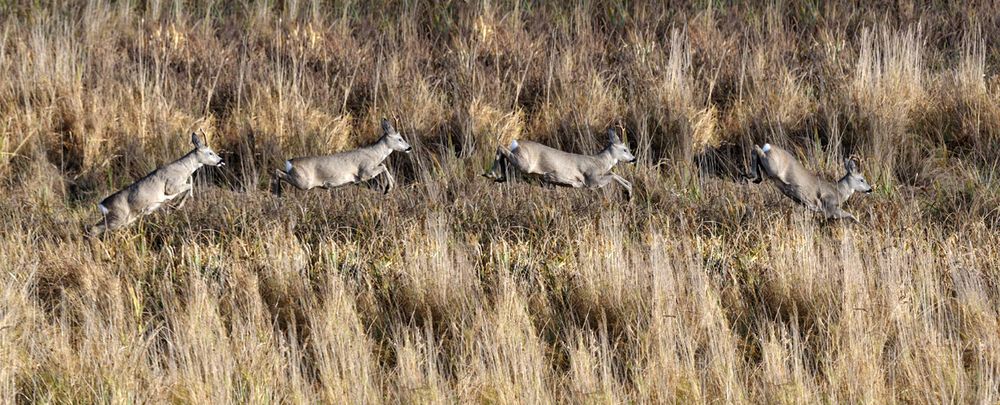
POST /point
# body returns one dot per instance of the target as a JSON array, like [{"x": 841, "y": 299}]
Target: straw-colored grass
[{"x": 453, "y": 289}]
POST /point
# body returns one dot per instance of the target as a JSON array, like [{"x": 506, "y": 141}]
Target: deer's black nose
[{"x": 408, "y": 149}]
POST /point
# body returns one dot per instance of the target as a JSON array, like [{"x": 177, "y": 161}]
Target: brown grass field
[{"x": 452, "y": 289}]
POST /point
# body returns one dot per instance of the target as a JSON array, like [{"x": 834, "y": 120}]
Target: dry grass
[{"x": 451, "y": 289}]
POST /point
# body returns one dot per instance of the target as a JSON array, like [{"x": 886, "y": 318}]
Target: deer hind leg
[
  {"x": 97, "y": 229},
  {"x": 332, "y": 185},
  {"x": 276, "y": 184},
  {"x": 493, "y": 172},
  {"x": 500, "y": 170},
  {"x": 281, "y": 176},
  {"x": 111, "y": 221},
  {"x": 757, "y": 177},
  {"x": 554, "y": 178},
  {"x": 276, "y": 178}
]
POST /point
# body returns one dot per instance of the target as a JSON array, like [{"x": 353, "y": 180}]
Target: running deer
[
  {"x": 167, "y": 183},
  {"x": 804, "y": 187},
  {"x": 339, "y": 169},
  {"x": 562, "y": 168}
]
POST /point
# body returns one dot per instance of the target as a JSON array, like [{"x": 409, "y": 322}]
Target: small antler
[{"x": 855, "y": 157}]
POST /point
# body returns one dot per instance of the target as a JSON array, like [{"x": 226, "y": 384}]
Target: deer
[
  {"x": 166, "y": 184},
  {"x": 565, "y": 169},
  {"x": 344, "y": 168},
  {"x": 805, "y": 188}
]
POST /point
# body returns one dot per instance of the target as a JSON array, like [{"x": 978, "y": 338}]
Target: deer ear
[
  {"x": 613, "y": 136},
  {"x": 387, "y": 127},
  {"x": 196, "y": 140},
  {"x": 850, "y": 165}
]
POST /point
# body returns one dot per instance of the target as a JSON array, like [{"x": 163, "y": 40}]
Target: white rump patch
[
  {"x": 514, "y": 145},
  {"x": 766, "y": 148},
  {"x": 288, "y": 166},
  {"x": 103, "y": 209}
]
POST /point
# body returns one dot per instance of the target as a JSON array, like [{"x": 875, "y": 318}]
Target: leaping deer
[
  {"x": 564, "y": 168},
  {"x": 167, "y": 183},
  {"x": 339, "y": 169},
  {"x": 804, "y": 187}
]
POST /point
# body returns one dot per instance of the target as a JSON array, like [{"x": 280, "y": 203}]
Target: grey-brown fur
[
  {"x": 339, "y": 169},
  {"x": 804, "y": 187},
  {"x": 563, "y": 168},
  {"x": 167, "y": 183}
]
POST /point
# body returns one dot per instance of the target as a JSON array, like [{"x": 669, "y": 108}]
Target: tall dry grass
[{"x": 453, "y": 289}]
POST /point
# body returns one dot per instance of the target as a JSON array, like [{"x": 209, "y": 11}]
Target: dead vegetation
[{"x": 451, "y": 289}]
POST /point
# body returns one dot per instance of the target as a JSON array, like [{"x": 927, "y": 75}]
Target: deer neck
[
  {"x": 844, "y": 189},
  {"x": 189, "y": 163},
  {"x": 381, "y": 148},
  {"x": 607, "y": 160}
]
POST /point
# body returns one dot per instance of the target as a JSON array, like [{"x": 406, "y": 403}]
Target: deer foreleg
[
  {"x": 841, "y": 214},
  {"x": 174, "y": 191},
  {"x": 606, "y": 179},
  {"x": 183, "y": 199},
  {"x": 625, "y": 183},
  {"x": 390, "y": 179},
  {"x": 378, "y": 170},
  {"x": 368, "y": 174}
]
